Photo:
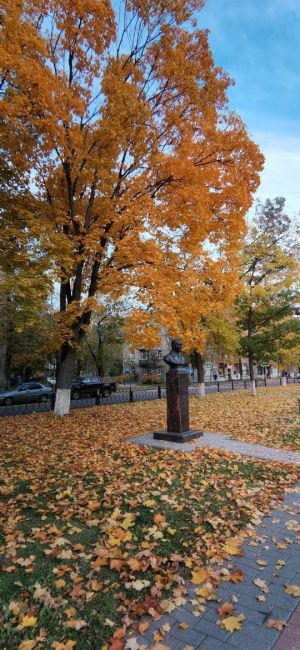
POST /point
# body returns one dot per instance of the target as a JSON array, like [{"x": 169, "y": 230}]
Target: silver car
[{"x": 30, "y": 392}]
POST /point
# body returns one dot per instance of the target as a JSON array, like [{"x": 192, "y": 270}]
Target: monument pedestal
[
  {"x": 172, "y": 436},
  {"x": 178, "y": 427}
]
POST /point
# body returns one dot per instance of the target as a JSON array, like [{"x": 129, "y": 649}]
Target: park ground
[{"x": 97, "y": 532}]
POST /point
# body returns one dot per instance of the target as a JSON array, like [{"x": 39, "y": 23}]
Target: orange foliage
[{"x": 125, "y": 129}]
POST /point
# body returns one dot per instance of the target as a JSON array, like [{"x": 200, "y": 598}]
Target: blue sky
[{"x": 258, "y": 43}]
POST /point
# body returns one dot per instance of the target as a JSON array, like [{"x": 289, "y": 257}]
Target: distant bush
[
  {"x": 121, "y": 378},
  {"x": 151, "y": 379}
]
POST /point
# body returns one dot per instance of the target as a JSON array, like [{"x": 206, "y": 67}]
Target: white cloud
[{"x": 282, "y": 169}]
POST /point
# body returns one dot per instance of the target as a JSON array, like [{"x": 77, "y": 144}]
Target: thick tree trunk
[
  {"x": 64, "y": 380},
  {"x": 251, "y": 373},
  {"x": 200, "y": 373},
  {"x": 67, "y": 355}
]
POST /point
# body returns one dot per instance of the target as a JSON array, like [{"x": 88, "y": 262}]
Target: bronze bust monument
[
  {"x": 175, "y": 358},
  {"x": 177, "y": 380}
]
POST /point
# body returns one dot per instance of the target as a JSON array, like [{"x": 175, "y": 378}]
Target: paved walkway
[
  {"x": 223, "y": 441},
  {"x": 272, "y": 557}
]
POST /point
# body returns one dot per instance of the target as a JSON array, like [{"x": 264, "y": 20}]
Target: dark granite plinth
[
  {"x": 172, "y": 436},
  {"x": 177, "y": 401}
]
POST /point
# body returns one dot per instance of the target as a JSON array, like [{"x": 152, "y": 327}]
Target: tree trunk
[
  {"x": 67, "y": 354},
  {"x": 64, "y": 380},
  {"x": 200, "y": 373},
  {"x": 241, "y": 368},
  {"x": 251, "y": 373}
]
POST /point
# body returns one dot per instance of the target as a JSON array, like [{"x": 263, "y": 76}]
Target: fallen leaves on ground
[
  {"x": 261, "y": 584},
  {"x": 271, "y": 418},
  {"x": 292, "y": 590},
  {"x": 226, "y": 609},
  {"x": 98, "y": 533},
  {"x": 232, "y": 623},
  {"x": 275, "y": 624}
]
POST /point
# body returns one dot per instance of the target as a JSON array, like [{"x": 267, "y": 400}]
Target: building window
[
  {"x": 158, "y": 354},
  {"x": 144, "y": 355},
  {"x": 158, "y": 371},
  {"x": 132, "y": 356}
]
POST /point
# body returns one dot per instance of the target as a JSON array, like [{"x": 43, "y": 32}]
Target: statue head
[{"x": 176, "y": 345}]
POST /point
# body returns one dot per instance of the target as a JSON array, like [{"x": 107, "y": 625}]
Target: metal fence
[{"x": 138, "y": 394}]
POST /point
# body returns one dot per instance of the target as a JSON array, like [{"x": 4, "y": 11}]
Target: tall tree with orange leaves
[
  {"x": 190, "y": 300},
  {"x": 121, "y": 118}
]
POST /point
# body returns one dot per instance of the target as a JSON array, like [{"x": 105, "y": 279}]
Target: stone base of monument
[{"x": 172, "y": 436}]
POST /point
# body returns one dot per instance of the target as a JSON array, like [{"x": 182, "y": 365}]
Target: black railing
[{"x": 139, "y": 393}]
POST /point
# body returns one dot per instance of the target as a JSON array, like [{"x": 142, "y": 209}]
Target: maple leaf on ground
[
  {"x": 236, "y": 576},
  {"x": 119, "y": 633},
  {"x": 205, "y": 592},
  {"x": 292, "y": 590},
  {"x": 275, "y": 624},
  {"x": 68, "y": 645},
  {"x": 116, "y": 644},
  {"x": 60, "y": 583},
  {"x": 261, "y": 598},
  {"x": 231, "y": 548},
  {"x": 27, "y": 644},
  {"x": 70, "y": 612},
  {"x": 159, "y": 519},
  {"x": 76, "y": 624},
  {"x": 28, "y": 621},
  {"x": 143, "y": 627},
  {"x": 134, "y": 564},
  {"x": 138, "y": 585},
  {"x": 199, "y": 576},
  {"x": 232, "y": 623},
  {"x": 226, "y": 609},
  {"x": 261, "y": 584}
]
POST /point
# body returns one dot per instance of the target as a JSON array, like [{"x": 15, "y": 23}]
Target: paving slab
[
  {"x": 222, "y": 441},
  {"x": 204, "y": 633}
]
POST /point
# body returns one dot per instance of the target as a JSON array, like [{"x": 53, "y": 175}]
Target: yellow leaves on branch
[{"x": 120, "y": 157}]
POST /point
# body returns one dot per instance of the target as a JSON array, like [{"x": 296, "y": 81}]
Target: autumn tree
[
  {"x": 270, "y": 275},
  {"x": 192, "y": 301},
  {"x": 103, "y": 343},
  {"x": 25, "y": 277},
  {"x": 121, "y": 119}
]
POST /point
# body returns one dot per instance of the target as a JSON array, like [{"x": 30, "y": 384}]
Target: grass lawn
[
  {"x": 97, "y": 532},
  {"x": 271, "y": 418}
]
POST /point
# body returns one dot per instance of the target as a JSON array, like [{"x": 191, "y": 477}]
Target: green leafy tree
[
  {"x": 270, "y": 275},
  {"x": 103, "y": 343}
]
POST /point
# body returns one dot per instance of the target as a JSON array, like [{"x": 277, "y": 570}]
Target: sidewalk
[
  {"x": 223, "y": 441},
  {"x": 266, "y": 592},
  {"x": 273, "y": 558}
]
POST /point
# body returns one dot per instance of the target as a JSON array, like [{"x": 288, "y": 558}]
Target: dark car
[
  {"x": 91, "y": 386},
  {"x": 29, "y": 392}
]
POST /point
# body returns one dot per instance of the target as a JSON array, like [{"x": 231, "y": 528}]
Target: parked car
[
  {"x": 29, "y": 392},
  {"x": 91, "y": 386}
]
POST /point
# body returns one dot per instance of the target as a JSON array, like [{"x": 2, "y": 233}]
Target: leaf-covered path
[
  {"x": 225, "y": 442},
  {"x": 97, "y": 533},
  {"x": 245, "y": 604}
]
